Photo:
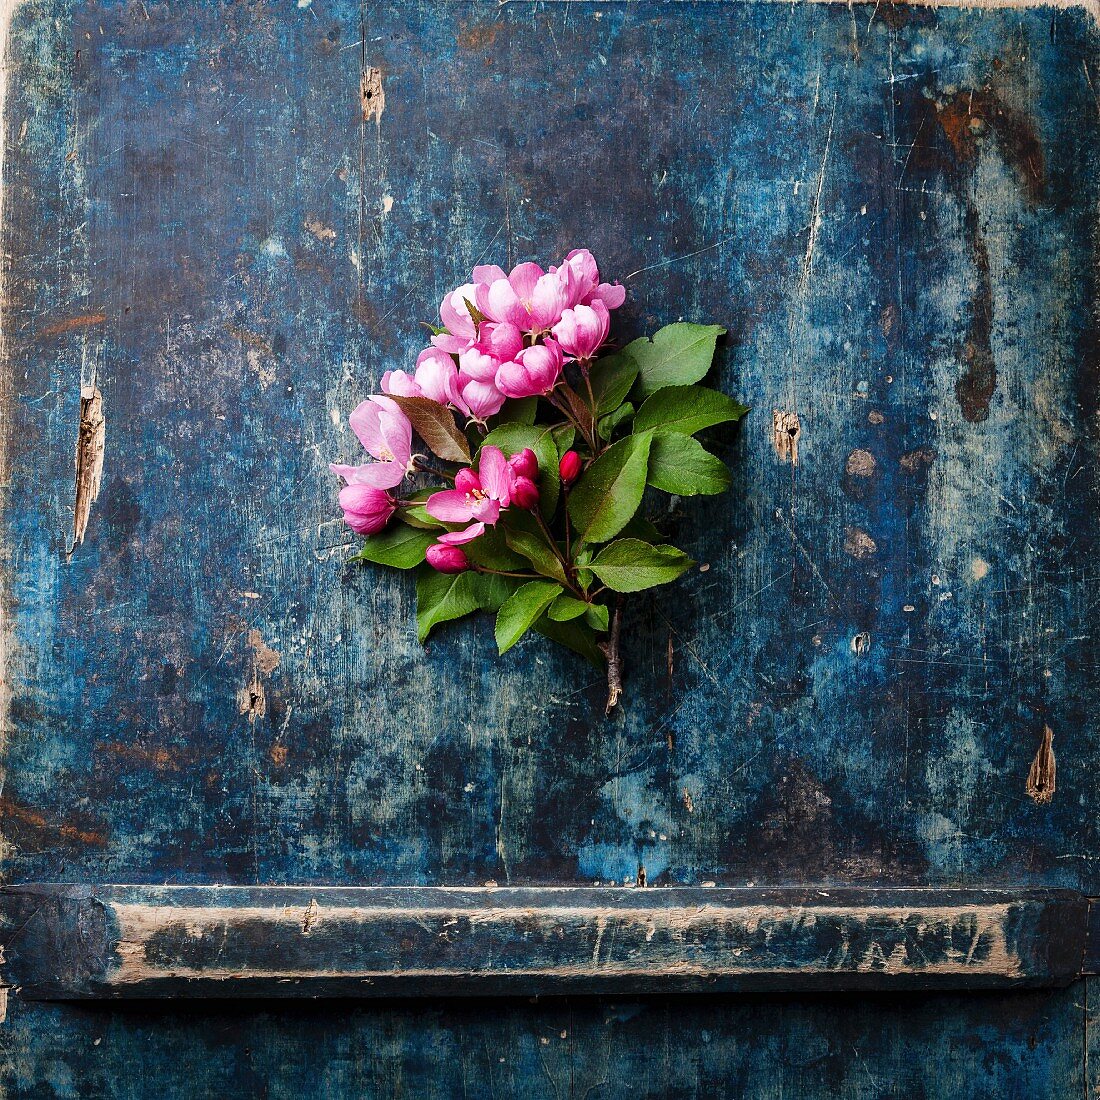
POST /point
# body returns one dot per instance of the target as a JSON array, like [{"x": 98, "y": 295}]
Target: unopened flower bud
[
  {"x": 525, "y": 494},
  {"x": 447, "y": 559},
  {"x": 570, "y": 467},
  {"x": 525, "y": 463},
  {"x": 466, "y": 481}
]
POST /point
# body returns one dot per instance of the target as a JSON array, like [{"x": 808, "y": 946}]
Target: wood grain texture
[
  {"x": 123, "y": 941},
  {"x": 893, "y": 211}
]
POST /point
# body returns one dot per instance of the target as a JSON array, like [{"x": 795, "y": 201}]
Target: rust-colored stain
[
  {"x": 71, "y": 323},
  {"x": 970, "y": 116},
  {"x": 858, "y": 544},
  {"x": 278, "y": 755},
  {"x": 31, "y": 819},
  {"x": 915, "y": 459},
  {"x": 1043, "y": 775},
  {"x": 480, "y": 36},
  {"x": 157, "y": 757},
  {"x": 250, "y": 339}
]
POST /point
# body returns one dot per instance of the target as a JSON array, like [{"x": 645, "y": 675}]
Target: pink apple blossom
[
  {"x": 583, "y": 277},
  {"x": 582, "y": 330},
  {"x": 385, "y": 432},
  {"x": 477, "y": 399},
  {"x": 399, "y": 383},
  {"x": 529, "y": 298},
  {"x": 437, "y": 376},
  {"x": 569, "y": 468},
  {"x": 525, "y": 463},
  {"x": 535, "y": 371},
  {"x": 366, "y": 509},
  {"x": 447, "y": 559},
  {"x": 482, "y": 503},
  {"x": 525, "y": 494}
]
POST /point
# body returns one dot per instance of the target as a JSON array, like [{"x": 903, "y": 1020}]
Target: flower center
[{"x": 386, "y": 454}]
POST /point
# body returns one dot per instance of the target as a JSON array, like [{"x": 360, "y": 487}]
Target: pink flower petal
[
  {"x": 460, "y": 538},
  {"x": 523, "y": 279},
  {"x": 451, "y": 506},
  {"x": 365, "y": 422},
  {"x": 381, "y": 475},
  {"x": 497, "y": 477}
]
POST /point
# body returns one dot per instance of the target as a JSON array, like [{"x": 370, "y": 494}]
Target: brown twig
[{"x": 610, "y": 650}]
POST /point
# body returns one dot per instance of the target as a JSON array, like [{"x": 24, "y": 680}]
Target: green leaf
[
  {"x": 563, "y": 434},
  {"x": 415, "y": 515},
  {"x": 512, "y": 438},
  {"x": 584, "y": 579},
  {"x": 521, "y": 610},
  {"x": 524, "y": 536},
  {"x": 398, "y": 546},
  {"x": 611, "y": 379},
  {"x": 641, "y": 528},
  {"x": 441, "y": 597},
  {"x": 435, "y": 424},
  {"x": 687, "y": 409},
  {"x": 629, "y": 565},
  {"x": 677, "y": 355},
  {"x": 598, "y": 617},
  {"x": 566, "y": 608},
  {"x": 519, "y": 410},
  {"x": 680, "y": 464},
  {"x": 607, "y": 424},
  {"x": 491, "y": 550},
  {"x": 611, "y": 489},
  {"x": 575, "y": 635}
]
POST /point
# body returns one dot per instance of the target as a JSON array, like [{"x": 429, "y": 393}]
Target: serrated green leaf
[
  {"x": 512, "y": 438},
  {"x": 611, "y": 378},
  {"x": 525, "y": 537},
  {"x": 399, "y": 546},
  {"x": 563, "y": 434},
  {"x": 585, "y": 579},
  {"x": 597, "y": 616},
  {"x": 566, "y": 608},
  {"x": 630, "y": 565},
  {"x": 435, "y": 424},
  {"x": 610, "y": 490},
  {"x": 641, "y": 528},
  {"x": 518, "y": 410},
  {"x": 677, "y": 355},
  {"x": 680, "y": 464},
  {"x": 607, "y": 424},
  {"x": 521, "y": 611},
  {"x": 441, "y": 597},
  {"x": 491, "y": 550},
  {"x": 686, "y": 409},
  {"x": 575, "y": 635}
]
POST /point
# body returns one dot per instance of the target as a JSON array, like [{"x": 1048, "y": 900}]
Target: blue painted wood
[
  {"x": 893, "y": 211},
  {"x": 62, "y": 941}
]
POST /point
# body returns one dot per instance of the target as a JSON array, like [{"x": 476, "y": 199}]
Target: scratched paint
[{"x": 892, "y": 210}]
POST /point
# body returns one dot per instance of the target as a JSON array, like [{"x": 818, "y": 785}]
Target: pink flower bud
[
  {"x": 525, "y": 494},
  {"x": 447, "y": 559},
  {"x": 466, "y": 481},
  {"x": 525, "y": 464},
  {"x": 570, "y": 467}
]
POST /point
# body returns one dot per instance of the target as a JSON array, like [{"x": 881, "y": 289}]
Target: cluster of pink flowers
[
  {"x": 504, "y": 336},
  {"x": 510, "y": 335}
]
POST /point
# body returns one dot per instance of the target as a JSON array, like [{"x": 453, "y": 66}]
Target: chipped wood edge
[{"x": 8, "y": 10}]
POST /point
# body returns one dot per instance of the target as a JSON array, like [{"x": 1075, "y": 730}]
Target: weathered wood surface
[
  {"x": 893, "y": 210},
  {"x": 63, "y": 941}
]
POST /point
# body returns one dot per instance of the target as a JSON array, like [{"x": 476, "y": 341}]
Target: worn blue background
[{"x": 892, "y": 210}]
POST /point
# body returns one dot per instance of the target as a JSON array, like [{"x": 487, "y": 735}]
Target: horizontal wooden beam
[{"x": 63, "y": 941}]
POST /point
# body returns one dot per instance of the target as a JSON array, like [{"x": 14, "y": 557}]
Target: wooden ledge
[{"x": 64, "y": 941}]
